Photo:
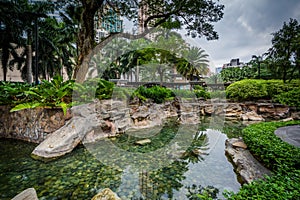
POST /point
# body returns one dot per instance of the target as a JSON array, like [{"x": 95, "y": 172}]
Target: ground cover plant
[{"x": 280, "y": 157}]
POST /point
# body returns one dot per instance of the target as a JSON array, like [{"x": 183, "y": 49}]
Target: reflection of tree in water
[
  {"x": 162, "y": 182},
  {"x": 196, "y": 150}
]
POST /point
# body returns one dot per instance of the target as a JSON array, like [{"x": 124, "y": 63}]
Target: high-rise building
[{"x": 106, "y": 21}]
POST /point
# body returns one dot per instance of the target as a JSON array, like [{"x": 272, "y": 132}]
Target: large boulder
[
  {"x": 246, "y": 165},
  {"x": 69, "y": 136}
]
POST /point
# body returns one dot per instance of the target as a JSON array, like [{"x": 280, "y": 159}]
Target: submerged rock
[
  {"x": 28, "y": 194},
  {"x": 106, "y": 194},
  {"x": 246, "y": 165},
  {"x": 143, "y": 142}
]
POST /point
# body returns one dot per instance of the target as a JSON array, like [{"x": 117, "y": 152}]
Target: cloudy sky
[{"x": 246, "y": 28}]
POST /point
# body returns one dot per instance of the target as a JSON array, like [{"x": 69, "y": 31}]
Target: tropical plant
[
  {"x": 198, "y": 58},
  {"x": 56, "y": 93}
]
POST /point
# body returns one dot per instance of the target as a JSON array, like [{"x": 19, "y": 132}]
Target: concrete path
[{"x": 290, "y": 134}]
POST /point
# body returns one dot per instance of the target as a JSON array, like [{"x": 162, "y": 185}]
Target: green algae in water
[{"x": 80, "y": 175}]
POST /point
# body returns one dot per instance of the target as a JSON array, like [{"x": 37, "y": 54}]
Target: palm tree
[{"x": 198, "y": 58}]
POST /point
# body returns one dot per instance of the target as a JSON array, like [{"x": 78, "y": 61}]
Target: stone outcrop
[
  {"x": 28, "y": 194},
  {"x": 106, "y": 194},
  {"x": 246, "y": 165}
]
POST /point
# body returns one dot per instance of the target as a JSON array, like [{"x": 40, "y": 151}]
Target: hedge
[{"x": 276, "y": 90}]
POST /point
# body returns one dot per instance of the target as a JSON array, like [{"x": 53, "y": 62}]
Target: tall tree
[
  {"x": 285, "y": 50},
  {"x": 195, "y": 16}
]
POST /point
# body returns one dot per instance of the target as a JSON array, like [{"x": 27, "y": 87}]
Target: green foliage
[
  {"x": 284, "y": 54},
  {"x": 251, "y": 89},
  {"x": 270, "y": 149},
  {"x": 291, "y": 98},
  {"x": 200, "y": 92},
  {"x": 282, "y": 158},
  {"x": 91, "y": 89},
  {"x": 156, "y": 93},
  {"x": 56, "y": 93},
  {"x": 202, "y": 193},
  {"x": 279, "y": 186},
  {"x": 232, "y": 74},
  {"x": 12, "y": 92},
  {"x": 247, "y": 89}
]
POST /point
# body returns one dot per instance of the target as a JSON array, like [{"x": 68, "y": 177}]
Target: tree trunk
[
  {"x": 4, "y": 60},
  {"x": 29, "y": 64},
  {"x": 86, "y": 35}
]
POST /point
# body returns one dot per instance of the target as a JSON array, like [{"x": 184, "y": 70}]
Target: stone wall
[{"x": 32, "y": 125}]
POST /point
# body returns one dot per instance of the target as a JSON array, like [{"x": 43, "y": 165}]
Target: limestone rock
[
  {"x": 246, "y": 165},
  {"x": 69, "y": 136},
  {"x": 239, "y": 144},
  {"x": 252, "y": 116},
  {"x": 233, "y": 110},
  {"x": 28, "y": 194},
  {"x": 296, "y": 115},
  {"x": 143, "y": 142},
  {"x": 189, "y": 118},
  {"x": 273, "y": 111},
  {"x": 106, "y": 194}
]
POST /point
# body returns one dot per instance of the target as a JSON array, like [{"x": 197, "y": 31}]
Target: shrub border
[{"x": 282, "y": 158}]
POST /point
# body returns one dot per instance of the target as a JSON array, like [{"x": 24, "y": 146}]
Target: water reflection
[{"x": 177, "y": 157}]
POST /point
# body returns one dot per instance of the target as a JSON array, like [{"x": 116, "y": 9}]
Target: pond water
[{"x": 177, "y": 157}]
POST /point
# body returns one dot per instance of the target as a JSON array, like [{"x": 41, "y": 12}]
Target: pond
[{"x": 173, "y": 158}]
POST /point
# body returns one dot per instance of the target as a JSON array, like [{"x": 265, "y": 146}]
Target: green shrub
[
  {"x": 270, "y": 149},
  {"x": 282, "y": 158},
  {"x": 291, "y": 98},
  {"x": 249, "y": 89},
  {"x": 279, "y": 186},
  {"x": 56, "y": 93},
  {"x": 91, "y": 89},
  {"x": 200, "y": 92},
  {"x": 157, "y": 93},
  {"x": 252, "y": 89}
]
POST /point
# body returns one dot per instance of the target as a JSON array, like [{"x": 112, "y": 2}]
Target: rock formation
[{"x": 246, "y": 165}]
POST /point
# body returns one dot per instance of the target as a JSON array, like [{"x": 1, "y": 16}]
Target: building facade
[{"x": 107, "y": 20}]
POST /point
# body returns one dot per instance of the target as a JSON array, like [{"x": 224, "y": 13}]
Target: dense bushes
[
  {"x": 270, "y": 149},
  {"x": 279, "y": 186},
  {"x": 282, "y": 158},
  {"x": 157, "y": 93},
  {"x": 291, "y": 98},
  {"x": 160, "y": 94},
  {"x": 275, "y": 90}
]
